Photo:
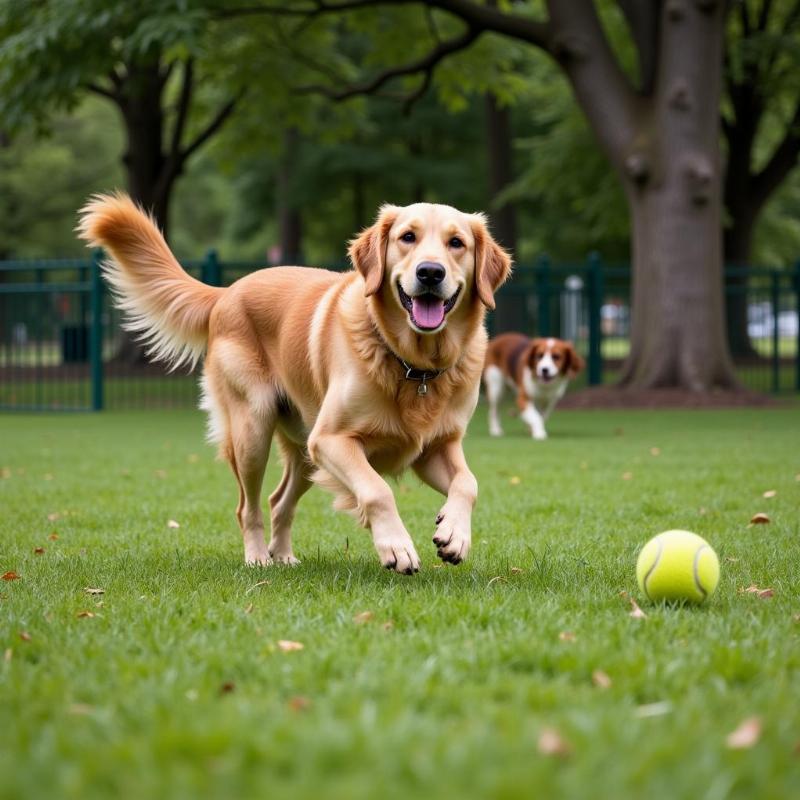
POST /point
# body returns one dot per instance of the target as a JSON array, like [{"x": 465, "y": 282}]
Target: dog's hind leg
[
  {"x": 493, "y": 380},
  {"x": 250, "y": 429},
  {"x": 296, "y": 481}
]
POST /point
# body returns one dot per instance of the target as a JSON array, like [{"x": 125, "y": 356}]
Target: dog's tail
[{"x": 167, "y": 307}]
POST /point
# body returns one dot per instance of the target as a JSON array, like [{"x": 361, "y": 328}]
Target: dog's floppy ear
[
  {"x": 492, "y": 263},
  {"x": 575, "y": 362},
  {"x": 368, "y": 250}
]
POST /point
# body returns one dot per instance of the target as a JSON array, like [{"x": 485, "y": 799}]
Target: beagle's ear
[
  {"x": 575, "y": 362},
  {"x": 533, "y": 350},
  {"x": 368, "y": 250},
  {"x": 492, "y": 263}
]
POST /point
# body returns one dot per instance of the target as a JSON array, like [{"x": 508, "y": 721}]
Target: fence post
[
  {"x": 211, "y": 271},
  {"x": 96, "y": 331},
  {"x": 797, "y": 332},
  {"x": 595, "y": 321},
  {"x": 543, "y": 295},
  {"x": 775, "y": 299}
]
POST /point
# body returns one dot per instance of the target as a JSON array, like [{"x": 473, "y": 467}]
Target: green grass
[{"x": 451, "y": 699}]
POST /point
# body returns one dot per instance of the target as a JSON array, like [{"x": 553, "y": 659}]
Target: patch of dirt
[{"x": 612, "y": 397}]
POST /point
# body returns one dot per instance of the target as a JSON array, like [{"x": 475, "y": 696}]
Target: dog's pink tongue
[{"x": 428, "y": 311}]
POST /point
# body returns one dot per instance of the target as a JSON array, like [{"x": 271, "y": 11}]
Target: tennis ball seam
[
  {"x": 695, "y": 571},
  {"x": 653, "y": 567}
]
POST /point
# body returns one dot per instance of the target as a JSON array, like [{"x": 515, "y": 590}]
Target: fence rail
[{"x": 63, "y": 347}]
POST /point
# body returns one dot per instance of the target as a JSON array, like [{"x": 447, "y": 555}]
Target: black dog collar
[{"x": 421, "y": 375}]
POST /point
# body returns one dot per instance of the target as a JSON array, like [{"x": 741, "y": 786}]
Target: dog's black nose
[{"x": 430, "y": 273}]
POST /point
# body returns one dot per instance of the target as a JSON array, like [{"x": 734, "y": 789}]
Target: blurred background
[{"x": 638, "y": 158}]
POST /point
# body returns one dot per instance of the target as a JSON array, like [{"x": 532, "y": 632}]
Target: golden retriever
[{"x": 356, "y": 374}]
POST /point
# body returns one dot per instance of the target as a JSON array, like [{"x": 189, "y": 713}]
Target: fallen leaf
[
  {"x": 758, "y": 592},
  {"x": 388, "y": 625},
  {"x": 797, "y": 477},
  {"x": 256, "y": 585},
  {"x": 626, "y": 476},
  {"x": 655, "y": 451},
  {"x": 8, "y": 655},
  {"x": 298, "y": 703},
  {"x": 172, "y": 524},
  {"x": 437, "y": 566},
  {"x": 364, "y": 616},
  {"x": 514, "y": 480},
  {"x": 53, "y": 536},
  {"x": 515, "y": 570},
  {"x": 90, "y": 590},
  {"x": 702, "y": 511},
  {"x": 601, "y": 680},
  {"x": 249, "y": 608},
  {"x": 566, "y": 636},
  {"x": 5, "y": 472},
  {"x": 287, "y": 646},
  {"x": 551, "y": 743},
  {"x": 732, "y": 559},
  {"x": 759, "y": 519},
  {"x": 654, "y": 709},
  {"x": 636, "y": 612},
  {"x": 38, "y": 550},
  {"x": 80, "y": 709},
  {"x": 25, "y": 636},
  {"x": 746, "y": 735},
  {"x": 83, "y": 614},
  {"x": 54, "y": 516},
  {"x": 11, "y": 576},
  {"x": 770, "y": 493},
  {"x": 227, "y": 687}
]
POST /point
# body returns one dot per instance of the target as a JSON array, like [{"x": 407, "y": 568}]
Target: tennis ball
[{"x": 678, "y": 565}]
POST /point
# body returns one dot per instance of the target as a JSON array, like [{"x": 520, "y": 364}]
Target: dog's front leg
[
  {"x": 444, "y": 468},
  {"x": 344, "y": 458}
]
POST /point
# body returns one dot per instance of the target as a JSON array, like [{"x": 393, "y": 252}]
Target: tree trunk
[
  {"x": 674, "y": 188},
  {"x": 290, "y": 223},
  {"x": 737, "y": 243},
  {"x": 509, "y": 314}
]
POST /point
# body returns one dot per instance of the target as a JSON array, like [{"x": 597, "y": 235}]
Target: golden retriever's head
[{"x": 431, "y": 260}]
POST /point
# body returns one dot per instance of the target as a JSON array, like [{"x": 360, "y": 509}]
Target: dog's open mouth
[{"x": 427, "y": 311}]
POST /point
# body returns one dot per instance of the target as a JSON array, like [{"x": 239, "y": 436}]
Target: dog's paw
[
  {"x": 453, "y": 539},
  {"x": 495, "y": 431},
  {"x": 398, "y": 556},
  {"x": 540, "y": 436},
  {"x": 258, "y": 560},
  {"x": 283, "y": 556}
]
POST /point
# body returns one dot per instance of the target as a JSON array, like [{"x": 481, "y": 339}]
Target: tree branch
[
  {"x": 213, "y": 126},
  {"x": 783, "y": 160},
  {"x": 644, "y": 21},
  {"x": 96, "y": 88},
  {"x": 425, "y": 64}
]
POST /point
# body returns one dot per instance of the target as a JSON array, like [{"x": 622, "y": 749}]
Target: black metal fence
[{"x": 63, "y": 347}]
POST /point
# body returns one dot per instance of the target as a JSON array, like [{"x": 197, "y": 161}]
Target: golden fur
[{"x": 307, "y": 355}]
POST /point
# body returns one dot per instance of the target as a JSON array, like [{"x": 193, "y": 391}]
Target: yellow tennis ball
[{"x": 678, "y": 565}]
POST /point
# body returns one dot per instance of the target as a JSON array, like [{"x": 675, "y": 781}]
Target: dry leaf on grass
[
  {"x": 635, "y": 612},
  {"x": 363, "y": 617},
  {"x": 655, "y": 451},
  {"x": 91, "y": 590},
  {"x": 54, "y": 516},
  {"x": 746, "y": 735},
  {"x": 566, "y": 636},
  {"x": 552, "y": 743},
  {"x": 84, "y": 614},
  {"x": 5, "y": 472},
  {"x": 38, "y": 551},
  {"x": 25, "y": 636},
  {"x": 515, "y": 570},
  {"x": 601, "y": 680},
  {"x": 759, "y": 519},
  {"x": 53, "y": 536},
  {"x": 298, "y": 703},
  {"x": 11, "y": 576},
  {"x": 388, "y": 625},
  {"x": 764, "y": 594},
  {"x": 287, "y": 646},
  {"x": 173, "y": 524},
  {"x": 514, "y": 480},
  {"x": 227, "y": 687},
  {"x": 770, "y": 493},
  {"x": 627, "y": 476}
]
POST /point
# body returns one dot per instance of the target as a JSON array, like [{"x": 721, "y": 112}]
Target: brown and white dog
[
  {"x": 356, "y": 374},
  {"x": 537, "y": 369}
]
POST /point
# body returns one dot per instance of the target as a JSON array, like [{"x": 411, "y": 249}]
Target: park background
[{"x": 640, "y": 161}]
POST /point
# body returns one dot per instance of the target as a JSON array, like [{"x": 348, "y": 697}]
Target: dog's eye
[
  {"x": 556, "y": 358},
  {"x": 455, "y": 242},
  {"x": 408, "y": 237}
]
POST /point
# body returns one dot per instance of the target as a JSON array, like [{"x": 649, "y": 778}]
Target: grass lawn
[{"x": 176, "y": 686}]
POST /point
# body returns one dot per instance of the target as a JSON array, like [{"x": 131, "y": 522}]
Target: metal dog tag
[{"x": 422, "y": 389}]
